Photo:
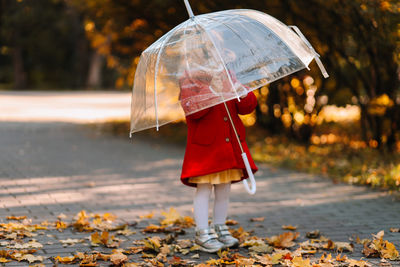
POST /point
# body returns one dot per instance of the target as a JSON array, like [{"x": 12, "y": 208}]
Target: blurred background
[{"x": 347, "y": 126}]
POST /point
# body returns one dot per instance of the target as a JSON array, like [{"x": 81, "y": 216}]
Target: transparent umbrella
[{"x": 233, "y": 51}]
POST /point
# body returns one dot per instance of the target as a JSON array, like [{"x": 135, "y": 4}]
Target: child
[{"x": 213, "y": 156}]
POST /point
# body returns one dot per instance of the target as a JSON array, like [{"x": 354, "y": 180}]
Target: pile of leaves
[
  {"x": 162, "y": 244},
  {"x": 351, "y": 164}
]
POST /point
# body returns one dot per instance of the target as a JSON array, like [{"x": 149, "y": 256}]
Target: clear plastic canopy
[{"x": 210, "y": 59}]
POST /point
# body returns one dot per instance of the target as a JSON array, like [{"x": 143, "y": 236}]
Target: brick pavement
[{"x": 52, "y": 168}]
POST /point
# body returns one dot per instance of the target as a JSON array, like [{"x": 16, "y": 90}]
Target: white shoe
[
  {"x": 224, "y": 236},
  {"x": 207, "y": 239}
]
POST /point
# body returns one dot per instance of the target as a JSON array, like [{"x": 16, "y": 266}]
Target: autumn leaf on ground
[
  {"x": 257, "y": 219},
  {"x": 341, "y": 258},
  {"x": 65, "y": 260},
  {"x": 184, "y": 243},
  {"x": 17, "y": 218},
  {"x": 30, "y": 244},
  {"x": 389, "y": 251},
  {"x": 395, "y": 230},
  {"x": 153, "y": 243},
  {"x": 152, "y": 228},
  {"x": 356, "y": 263},
  {"x": 313, "y": 234},
  {"x": 71, "y": 241},
  {"x": 300, "y": 262},
  {"x": 289, "y": 227},
  {"x": 109, "y": 217},
  {"x": 170, "y": 217},
  {"x": 240, "y": 234},
  {"x": 125, "y": 231},
  {"x": 118, "y": 258},
  {"x": 147, "y": 216},
  {"x": 231, "y": 222},
  {"x": 82, "y": 223},
  {"x": 31, "y": 258},
  {"x": 284, "y": 240},
  {"x": 60, "y": 225},
  {"x": 370, "y": 252},
  {"x": 4, "y": 260},
  {"x": 343, "y": 246},
  {"x": 177, "y": 261}
]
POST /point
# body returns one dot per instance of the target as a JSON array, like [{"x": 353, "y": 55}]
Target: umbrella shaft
[{"x": 234, "y": 128}]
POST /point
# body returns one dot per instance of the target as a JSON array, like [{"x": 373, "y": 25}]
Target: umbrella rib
[
  {"x": 156, "y": 72},
  {"x": 219, "y": 55},
  {"x": 235, "y": 32}
]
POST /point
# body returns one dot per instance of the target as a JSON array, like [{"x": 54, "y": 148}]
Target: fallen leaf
[
  {"x": 370, "y": 252},
  {"x": 389, "y": 251},
  {"x": 17, "y": 218},
  {"x": 356, "y": 263},
  {"x": 289, "y": 227},
  {"x": 343, "y": 246},
  {"x": 231, "y": 222},
  {"x": 31, "y": 258},
  {"x": 71, "y": 242},
  {"x": 257, "y": 219},
  {"x": 170, "y": 217},
  {"x": 341, "y": 258},
  {"x": 379, "y": 235},
  {"x": 313, "y": 234},
  {"x": 4, "y": 260},
  {"x": 118, "y": 258},
  {"x": 395, "y": 230},
  {"x": 300, "y": 262},
  {"x": 147, "y": 216},
  {"x": 65, "y": 260},
  {"x": 284, "y": 240}
]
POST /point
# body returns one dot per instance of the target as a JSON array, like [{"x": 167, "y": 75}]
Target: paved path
[{"x": 58, "y": 167}]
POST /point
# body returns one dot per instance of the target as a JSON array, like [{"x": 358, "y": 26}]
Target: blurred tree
[
  {"x": 45, "y": 41},
  {"x": 360, "y": 43}
]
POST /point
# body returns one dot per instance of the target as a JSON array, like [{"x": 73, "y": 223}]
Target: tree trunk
[
  {"x": 19, "y": 70},
  {"x": 95, "y": 66}
]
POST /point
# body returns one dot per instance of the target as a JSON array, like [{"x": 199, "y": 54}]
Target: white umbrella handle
[{"x": 253, "y": 188}]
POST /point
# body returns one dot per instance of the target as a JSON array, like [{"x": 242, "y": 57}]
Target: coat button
[
  {"x": 225, "y": 118},
  {"x": 227, "y": 139}
]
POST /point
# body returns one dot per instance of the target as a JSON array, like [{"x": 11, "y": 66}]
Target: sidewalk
[{"x": 48, "y": 168}]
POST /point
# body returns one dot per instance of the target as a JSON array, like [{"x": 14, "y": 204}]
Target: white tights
[{"x": 221, "y": 203}]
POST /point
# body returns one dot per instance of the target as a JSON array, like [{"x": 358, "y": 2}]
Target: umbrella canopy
[{"x": 234, "y": 51}]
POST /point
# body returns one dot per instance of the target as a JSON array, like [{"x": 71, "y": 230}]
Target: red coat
[{"x": 211, "y": 142}]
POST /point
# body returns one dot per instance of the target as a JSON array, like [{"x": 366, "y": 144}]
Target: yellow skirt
[{"x": 222, "y": 177}]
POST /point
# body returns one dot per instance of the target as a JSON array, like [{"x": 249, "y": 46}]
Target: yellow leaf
[
  {"x": 153, "y": 243},
  {"x": 109, "y": 217},
  {"x": 170, "y": 217},
  {"x": 390, "y": 252},
  {"x": 4, "y": 260},
  {"x": 65, "y": 260},
  {"x": 18, "y": 218},
  {"x": 276, "y": 257},
  {"x": 289, "y": 227},
  {"x": 147, "y": 216},
  {"x": 298, "y": 261},
  {"x": 95, "y": 239},
  {"x": 61, "y": 225}
]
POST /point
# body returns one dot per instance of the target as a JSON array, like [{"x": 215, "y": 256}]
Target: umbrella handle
[{"x": 253, "y": 188}]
